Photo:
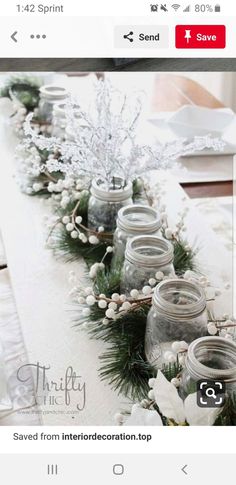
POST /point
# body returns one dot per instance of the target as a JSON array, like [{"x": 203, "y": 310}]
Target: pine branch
[
  {"x": 184, "y": 259},
  {"x": 227, "y": 416},
  {"x": 25, "y": 89}
]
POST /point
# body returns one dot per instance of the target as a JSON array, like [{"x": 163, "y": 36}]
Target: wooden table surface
[{"x": 208, "y": 189}]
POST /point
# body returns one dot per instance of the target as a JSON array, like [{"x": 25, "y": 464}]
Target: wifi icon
[{"x": 176, "y": 6}]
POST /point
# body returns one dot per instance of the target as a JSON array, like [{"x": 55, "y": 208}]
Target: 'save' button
[{"x": 200, "y": 36}]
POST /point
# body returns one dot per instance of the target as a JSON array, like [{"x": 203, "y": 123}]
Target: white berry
[
  {"x": 152, "y": 282},
  {"x": 112, "y": 305},
  {"x": 93, "y": 240},
  {"x": 81, "y": 300},
  {"x": 147, "y": 290},
  {"x": 151, "y": 382},
  {"x": 102, "y": 304},
  {"x": 175, "y": 382},
  {"x": 65, "y": 219},
  {"x": 69, "y": 226},
  {"x": 126, "y": 305},
  {"x": 151, "y": 395},
  {"x": 134, "y": 294},
  {"x": 168, "y": 233},
  {"x": 78, "y": 220},
  {"x": 110, "y": 313},
  {"x": 159, "y": 275},
  {"x": 212, "y": 329},
  {"x": 86, "y": 312},
  {"x": 90, "y": 300}
]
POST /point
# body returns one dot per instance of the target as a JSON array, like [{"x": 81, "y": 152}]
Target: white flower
[
  {"x": 173, "y": 407},
  {"x": 143, "y": 417}
]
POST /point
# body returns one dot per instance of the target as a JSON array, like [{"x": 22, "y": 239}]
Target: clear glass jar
[
  {"x": 59, "y": 120},
  {"x": 106, "y": 201},
  {"x": 144, "y": 257},
  {"x": 210, "y": 358},
  {"x": 50, "y": 95},
  {"x": 132, "y": 221},
  {"x": 178, "y": 313}
]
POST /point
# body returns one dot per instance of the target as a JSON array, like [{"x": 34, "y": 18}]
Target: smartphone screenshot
[{"x": 117, "y": 237}]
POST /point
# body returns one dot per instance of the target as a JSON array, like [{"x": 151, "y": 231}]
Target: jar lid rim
[
  {"x": 53, "y": 91},
  {"x": 132, "y": 255},
  {"x": 192, "y": 309},
  {"x": 129, "y": 225},
  {"x": 111, "y": 195}
]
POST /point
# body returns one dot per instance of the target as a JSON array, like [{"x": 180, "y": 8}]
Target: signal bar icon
[{"x": 187, "y": 9}]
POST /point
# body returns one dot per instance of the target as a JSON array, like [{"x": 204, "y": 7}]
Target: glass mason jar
[
  {"x": 59, "y": 120},
  {"x": 144, "y": 257},
  {"x": 134, "y": 220},
  {"x": 210, "y": 358},
  {"x": 50, "y": 95},
  {"x": 105, "y": 202},
  {"x": 178, "y": 313}
]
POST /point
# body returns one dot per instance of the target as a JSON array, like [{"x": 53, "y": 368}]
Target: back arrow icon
[
  {"x": 13, "y": 36},
  {"x": 184, "y": 469}
]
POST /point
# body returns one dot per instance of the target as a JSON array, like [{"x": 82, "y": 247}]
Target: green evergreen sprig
[
  {"x": 184, "y": 258},
  {"x": 25, "y": 89}
]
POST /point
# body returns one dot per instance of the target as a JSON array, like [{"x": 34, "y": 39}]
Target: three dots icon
[{"x": 38, "y": 36}]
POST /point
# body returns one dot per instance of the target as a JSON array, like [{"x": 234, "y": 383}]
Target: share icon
[{"x": 129, "y": 36}]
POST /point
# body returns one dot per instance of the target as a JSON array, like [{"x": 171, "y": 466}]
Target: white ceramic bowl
[{"x": 190, "y": 121}]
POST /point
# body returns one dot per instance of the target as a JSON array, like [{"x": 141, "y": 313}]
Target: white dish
[{"x": 190, "y": 121}]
